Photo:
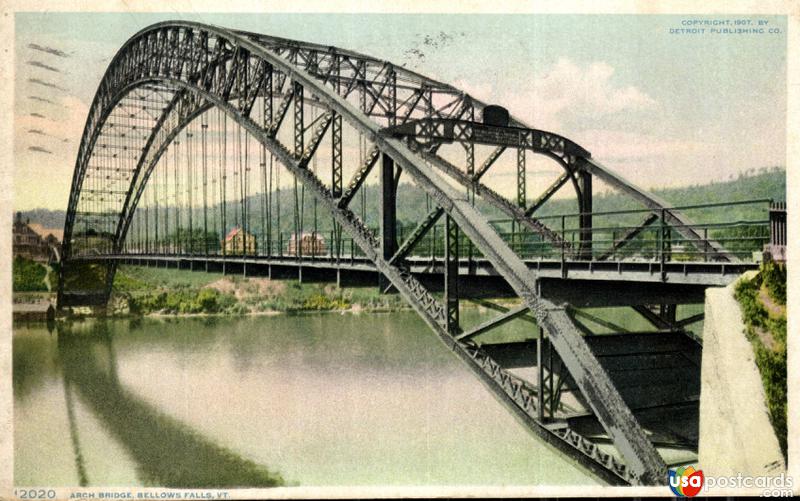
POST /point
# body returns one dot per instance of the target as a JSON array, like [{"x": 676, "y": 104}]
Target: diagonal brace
[
  {"x": 316, "y": 138},
  {"x": 359, "y": 177},
  {"x": 493, "y": 323},
  {"x": 630, "y": 235},
  {"x": 490, "y": 160},
  {"x": 549, "y": 192},
  {"x": 420, "y": 231},
  {"x": 280, "y": 113}
]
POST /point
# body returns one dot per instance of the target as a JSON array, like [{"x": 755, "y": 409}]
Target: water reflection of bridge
[
  {"x": 192, "y": 126},
  {"x": 167, "y": 452}
]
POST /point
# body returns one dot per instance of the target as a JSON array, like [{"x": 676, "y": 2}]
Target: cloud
[
  {"x": 565, "y": 92},
  {"x": 47, "y": 67},
  {"x": 588, "y": 88},
  {"x": 39, "y": 149},
  {"x": 44, "y": 83},
  {"x": 48, "y": 50},
  {"x": 615, "y": 145}
]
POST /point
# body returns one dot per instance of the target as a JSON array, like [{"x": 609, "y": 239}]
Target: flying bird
[
  {"x": 37, "y": 115},
  {"x": 48, "y": 50}
]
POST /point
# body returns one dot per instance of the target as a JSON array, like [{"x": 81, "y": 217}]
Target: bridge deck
[{"x": 681, "y": 272}]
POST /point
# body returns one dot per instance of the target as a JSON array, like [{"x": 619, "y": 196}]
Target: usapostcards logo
[{"x": 686, "y": 481}]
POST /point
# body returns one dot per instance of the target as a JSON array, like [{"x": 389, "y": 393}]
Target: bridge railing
[{"x": 741, "y": 227}]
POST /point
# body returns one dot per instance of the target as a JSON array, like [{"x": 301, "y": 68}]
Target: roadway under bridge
[{"x": 180, "y": 166}]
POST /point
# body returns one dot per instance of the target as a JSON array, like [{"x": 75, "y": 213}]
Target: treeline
[{"x": 412, "y": 205}]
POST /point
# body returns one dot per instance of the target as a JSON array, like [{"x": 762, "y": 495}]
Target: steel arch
[{"x": 202, "y": 77}]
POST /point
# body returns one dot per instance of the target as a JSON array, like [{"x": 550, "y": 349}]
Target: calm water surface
[{"x": 319, "y": 400}]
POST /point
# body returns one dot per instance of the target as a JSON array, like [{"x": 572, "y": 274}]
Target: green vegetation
[
  {"x": 28, "y": 275},
  {"x": 766, "y": 331},
  {"x": 170, "y": 291},
  {"x": 195, "y": 241},
  {"x": 131, "y": 278},
  {"x": 775, "y": 281},
  {"x": 181, "y": 301},
  {"x": 85, "y": 276}
]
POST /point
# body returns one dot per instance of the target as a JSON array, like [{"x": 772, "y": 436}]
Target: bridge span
[{"x": 391, "y": 174}]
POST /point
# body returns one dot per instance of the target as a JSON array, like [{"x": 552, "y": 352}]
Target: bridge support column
[
  {"x": 540, "y": 373},
  {"x": 668, "y": 312},
  {"x": 585, "y": 208},
  {"x": 388, "y": 215},
  {"x": 451, "y": 274}
]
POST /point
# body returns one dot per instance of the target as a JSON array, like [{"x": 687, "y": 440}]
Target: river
[{"x": 310, "y": 400}]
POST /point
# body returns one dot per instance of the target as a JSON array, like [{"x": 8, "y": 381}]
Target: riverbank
[{"x": 157, "y": 291}]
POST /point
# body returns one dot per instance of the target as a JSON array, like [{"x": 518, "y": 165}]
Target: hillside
[{"x": 412, "y": 204}]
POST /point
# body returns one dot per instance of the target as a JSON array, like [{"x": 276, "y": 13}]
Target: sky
[{"x": 661, "y": 108}]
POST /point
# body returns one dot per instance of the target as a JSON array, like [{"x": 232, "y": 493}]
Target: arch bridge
[{"x": 180, "y": 162}]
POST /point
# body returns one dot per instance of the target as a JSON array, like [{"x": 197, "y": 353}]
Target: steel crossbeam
[{"x": 199, "y": 67}]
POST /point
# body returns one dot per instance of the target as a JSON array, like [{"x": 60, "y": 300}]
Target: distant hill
[
  {"x": 764, "y": 183},
  {"x": 46, "y": 217}
]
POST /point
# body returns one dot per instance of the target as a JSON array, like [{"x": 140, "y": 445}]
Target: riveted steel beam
[
  {"x": 629, "y": 236},
  {"x": 451, "y": 275},
  {"x": 642, "y": 463},
  {"x": 493, "y": 323},
  {"x": 417, "y": 234},
  {"x": 549, "y": 192}
]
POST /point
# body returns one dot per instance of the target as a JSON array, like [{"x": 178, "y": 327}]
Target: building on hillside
[
  {"x": 310, "y": 244},
  {"x": 237, "y": 241},
  {"x": 33, "y": 241}
]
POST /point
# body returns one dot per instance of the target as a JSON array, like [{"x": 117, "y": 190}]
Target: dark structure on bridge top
[{"x": 192, "y": 125}]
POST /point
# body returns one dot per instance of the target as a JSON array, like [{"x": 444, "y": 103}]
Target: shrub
[
  {"x": 28, "y": 275},
  {"x": 771, "y": 362},
  {"x": 775, "y": 279},
  {"x": 207, "y": 299}
]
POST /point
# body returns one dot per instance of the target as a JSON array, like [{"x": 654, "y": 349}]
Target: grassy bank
[
  {"x": 142, "y": 291},
  {"x": 32, "y": 276},
  {"x": 763, "y": 302}
]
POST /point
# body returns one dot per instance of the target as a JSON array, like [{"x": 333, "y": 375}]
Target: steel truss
[{"x": 186, "y": 69}]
